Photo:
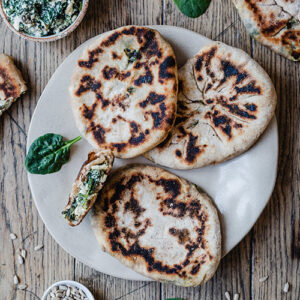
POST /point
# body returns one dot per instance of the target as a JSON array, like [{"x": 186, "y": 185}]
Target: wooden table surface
[{"x": 271, "y": 248}]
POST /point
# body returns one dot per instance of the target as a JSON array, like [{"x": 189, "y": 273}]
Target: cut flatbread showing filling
[
  {"x": 89, "y": 182},
  {"x": 274, "y": 23},
  {"x": 124, "y": 91},
  {"x": 225, "y": 102},
  {"x": 159, "y": 225},
  {"x": 12, "y": 85}
]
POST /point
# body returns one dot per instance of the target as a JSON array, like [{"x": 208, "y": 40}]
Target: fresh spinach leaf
[
  {"x": 192, "y": 8},
  {"x": 48, "y": 153}
]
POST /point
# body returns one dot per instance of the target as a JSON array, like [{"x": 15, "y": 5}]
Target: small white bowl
[
  {"x": 48, "y": 38},
  {"x": 69, "y": 283}
]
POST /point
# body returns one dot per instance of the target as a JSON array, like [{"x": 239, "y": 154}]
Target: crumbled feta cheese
[
  {"x": 99, "y": 167},
  {"x": 79, "y": 210}
]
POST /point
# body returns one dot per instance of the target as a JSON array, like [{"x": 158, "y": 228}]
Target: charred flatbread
[
  {"x": 225, "y": 102},
  {"x": 12, "y": 85},
  {"x": 274, "y": 23},
  {"x": 159, "y": 225},
  {"x": 124, "y": 91},
  {"x": 89, "y": 182}
]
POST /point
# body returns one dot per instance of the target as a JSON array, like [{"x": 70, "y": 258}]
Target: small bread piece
[
  {"x": 12, "y": 85},
  {"x": 89, "y": 182},
  {"x": 274, "y": 23},
  {"x": 225, "y": 102},
  {"x": 124, "y": 91},
  {"x": 158, "y": 224}
]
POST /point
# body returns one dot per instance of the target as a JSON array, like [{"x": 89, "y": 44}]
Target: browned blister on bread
[
  {"x": 124, "y": 91},
  {"x": 225, "y": 102},
  {"x": 274, "y": 23},
  {"x": 89, "y": 182},
  {"x": 12, "y": 85},
  {"x": 159, "y": 225}
]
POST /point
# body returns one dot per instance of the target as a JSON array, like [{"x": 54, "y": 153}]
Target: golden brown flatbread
[
  {"x": 124, "y": 91},
  {"x": 159, "y": 225},
  {"x": 12, "y": 85},
  {"x": 225, "y": 102},
  {"x": 274, "y": 23}
]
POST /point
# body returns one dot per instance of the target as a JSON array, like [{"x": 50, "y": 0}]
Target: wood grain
[
  {"x": 271, "y": 248},
  {"x": 276, "y": 235}
]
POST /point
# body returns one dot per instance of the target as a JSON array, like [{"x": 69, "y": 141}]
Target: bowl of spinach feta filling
[{"x": 43, "y": 20}]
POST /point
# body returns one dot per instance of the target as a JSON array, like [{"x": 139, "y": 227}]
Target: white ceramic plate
[{"x": 240, "y": 187}]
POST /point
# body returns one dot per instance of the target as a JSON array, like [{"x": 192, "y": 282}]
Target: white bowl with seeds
[{"x": 67, "y": 290}]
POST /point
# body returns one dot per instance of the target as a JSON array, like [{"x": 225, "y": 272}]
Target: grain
[
  {"x": 38, "y": 247},
  {"x": 236, "y": 297},
  {"x": 23, "y": 253},
  {"x": 22, "y": 286},
  {"x": 62, "y": 287},
  {"x": 12, "y": 236},
  {"x": 66, "y": 292},
  {"x": 20, "y": 259},
  {"x": 286, "y": 287},
  {"x": 263, "y": 279},
  {"x": 227, "y": 295},
  {"x": 16, "y": 280}
]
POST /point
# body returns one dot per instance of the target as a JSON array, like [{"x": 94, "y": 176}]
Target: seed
[
  {"x": 263, "y": 279},
  {"x": 20, "y": 260},
  {"x": 23, "y": 253},
  {"x": 38, "y": 247},
  {"x": 236, "y": 297},
  {"x": 286, "y": 287},
  {"x": 22, "y": 286},
  {"x": 227, "y": 295},
  {"x": 65, "y": 292},
  {"x": 13, "y": 236},
  {"x": 63, "y": 287},
  {"x": 16, "y": 280}
]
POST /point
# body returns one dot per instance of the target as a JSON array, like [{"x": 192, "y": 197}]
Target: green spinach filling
[
  {"x": 87, "y": 189},
  {"x": 42, "y": 17},
  {"x": 132, "y": 55}
]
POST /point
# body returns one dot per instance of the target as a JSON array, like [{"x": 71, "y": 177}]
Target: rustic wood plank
[
  {"x": 103, "y": 18},
  {"x": 106, "y": 287},
  {"x": 217, "y": 18},
  {"x": 18, "y": 213},
  {"x": 271, "y": 248},
  {"x": 220, "y": 22},
  {"x": 276, "y": 246}
]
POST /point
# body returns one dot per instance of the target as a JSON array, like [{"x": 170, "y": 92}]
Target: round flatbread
[
  {"x": 159, "y": 225},
  {"x": 124, "y": 91},
  {"x": 225, "y": 102},
  {"x": 274, "y": 23}
]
